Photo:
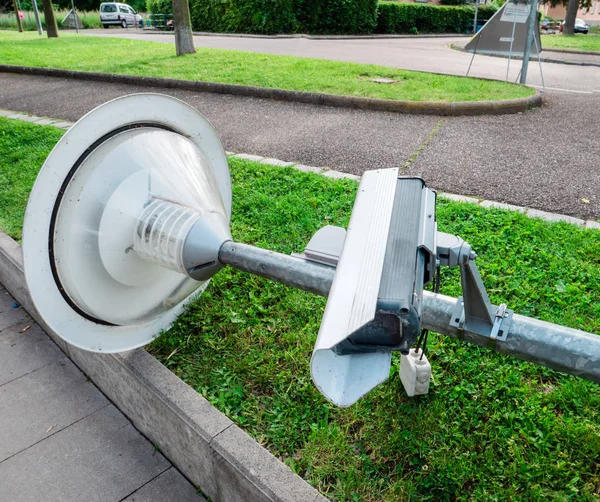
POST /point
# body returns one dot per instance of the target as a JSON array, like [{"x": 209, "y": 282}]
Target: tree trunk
[
  {"x": 184, "y": 41},
  {"x": 569, "y": 26},
  {"x": 51, "y": 28},
  {"x": 18, "y": 18}
]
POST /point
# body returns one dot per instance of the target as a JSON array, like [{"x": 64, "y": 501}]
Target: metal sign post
[
  {"x": 74, "y": 16},
  {"x": 529, "y": 41},
  {"x": 37, "y": 17}
]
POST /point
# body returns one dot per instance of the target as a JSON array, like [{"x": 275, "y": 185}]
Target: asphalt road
[{"x": 545, "y": 158}]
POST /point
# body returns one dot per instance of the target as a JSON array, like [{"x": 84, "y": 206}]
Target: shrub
[
  {"x": 283, "y": 16},
  {"x": 243, "y": 16},
  {"x": 337, "y": 16},
  {"x": 159, "y": 6},
  {"x": 406, "y": 18}
]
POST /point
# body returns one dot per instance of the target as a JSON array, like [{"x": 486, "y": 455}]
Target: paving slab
[
  {"x": 25, "y": 348},
  {"x": 51, "y": 399},
  {"x": 101, "y": 458},
  {"x": 10, "y": 312},
  {"x": 170, "y": 485},
  {"x": 534, "y": 213}
]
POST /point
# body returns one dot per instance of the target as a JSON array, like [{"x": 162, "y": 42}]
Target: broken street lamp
[{"x": 129, "y": 218}]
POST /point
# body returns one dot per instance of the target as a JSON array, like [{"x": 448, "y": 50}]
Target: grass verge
[
  {"x": 574, "y": 42},
  {"x": 135, "y": 57},
  {"x": 492, "y": 428}
]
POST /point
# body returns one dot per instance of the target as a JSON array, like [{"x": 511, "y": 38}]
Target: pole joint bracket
[{"x": 473, "y": 311}]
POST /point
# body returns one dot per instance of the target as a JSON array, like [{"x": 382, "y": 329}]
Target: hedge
[
  {"x": 418, "y": 18},
  {"x": 349, "y": 17},
  {"x": 340, "y": 17},
  {"x": 243, "y": 16}
]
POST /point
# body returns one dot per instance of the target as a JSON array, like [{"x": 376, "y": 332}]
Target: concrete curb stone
[
  {"x": 375, "y": 36},
  {"x": 314, "y": 98}
]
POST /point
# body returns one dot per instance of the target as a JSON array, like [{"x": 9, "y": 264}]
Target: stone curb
[
  {"x": 535, "y": 58},
  {"x": 205, "y": 445},
  {"x": 489, "y": 204},
  {"x": 314, "y": 98},
  {"x": 375, "y": 36},
  {"x": 574, "y": 51}
]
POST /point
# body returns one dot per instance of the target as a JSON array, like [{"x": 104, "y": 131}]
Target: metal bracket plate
[{"x": 498, "y": 331}]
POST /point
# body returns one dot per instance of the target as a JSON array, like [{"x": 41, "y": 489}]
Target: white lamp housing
[{"x": 124, "y": 193}]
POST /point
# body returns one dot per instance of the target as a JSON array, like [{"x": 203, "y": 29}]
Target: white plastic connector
[{"x": 415, "y": 373}]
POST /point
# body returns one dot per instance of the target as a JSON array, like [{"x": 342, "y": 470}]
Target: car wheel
[
  {"x": 105, "y": 26},
  {"x": 124, "y": 23}
]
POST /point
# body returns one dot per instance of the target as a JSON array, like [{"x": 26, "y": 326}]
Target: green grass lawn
[
  {"x": 492, "y": 427},
  {"x": 134, "y": 57},
  {"x": 577, "y": 42}
]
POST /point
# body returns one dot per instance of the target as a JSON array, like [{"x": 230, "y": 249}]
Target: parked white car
[{"x": 119, "y": 14}]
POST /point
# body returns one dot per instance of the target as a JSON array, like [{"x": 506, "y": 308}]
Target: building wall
[{"x": 591, "y": 17}]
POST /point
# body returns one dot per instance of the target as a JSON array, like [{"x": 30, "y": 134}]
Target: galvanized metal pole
[
  {"x": 475, "y": 20},
  {"x": 564, "y": 349},
  {"x": 296, "y": 272},
  {"x": 38, "y": 22},
  {"x": 512, "y": 39},
  {"x": 74, "y": 15},
  {"x": 529, "y": 40}
]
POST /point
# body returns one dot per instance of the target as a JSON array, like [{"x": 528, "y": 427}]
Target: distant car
[
  {"x": 580, "y": 26},
  {"x": 119, "y": 14}
]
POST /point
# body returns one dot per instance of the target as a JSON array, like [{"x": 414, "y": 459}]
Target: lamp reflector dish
[{"x": 83, "y": 247}]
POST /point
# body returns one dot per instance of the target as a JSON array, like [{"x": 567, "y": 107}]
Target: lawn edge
[
  {"x": 459, "y": 108},
  {"x": 204, "y": 444}
]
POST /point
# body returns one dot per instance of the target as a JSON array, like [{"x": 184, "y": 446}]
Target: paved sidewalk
[{"x": 60, "y": 437}]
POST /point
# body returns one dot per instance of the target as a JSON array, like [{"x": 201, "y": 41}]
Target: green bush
[
  {"x": 336, "y": 16},
  {"x": 324, "y": 16},
  {"x": 411, "y": 18},
  {"x": 283, "y": 16},
  {"x": 453, "y": 2},
  {"x": 243, "y": 16},
  {"x": 159, "y": 6}
]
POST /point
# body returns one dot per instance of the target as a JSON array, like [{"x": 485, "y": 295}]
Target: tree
[
  {"x": 572, "y": 7},
  {"x": 569, "y": 26},
  {"x": 184, "y": 41},
  {"x": 51, "y": 28},
  {"x": 20, "y": 26}
]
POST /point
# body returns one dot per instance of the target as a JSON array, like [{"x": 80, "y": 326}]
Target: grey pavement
[
  {"x": 546, "y": 158},
  {"x": 60, "y": 437}
]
